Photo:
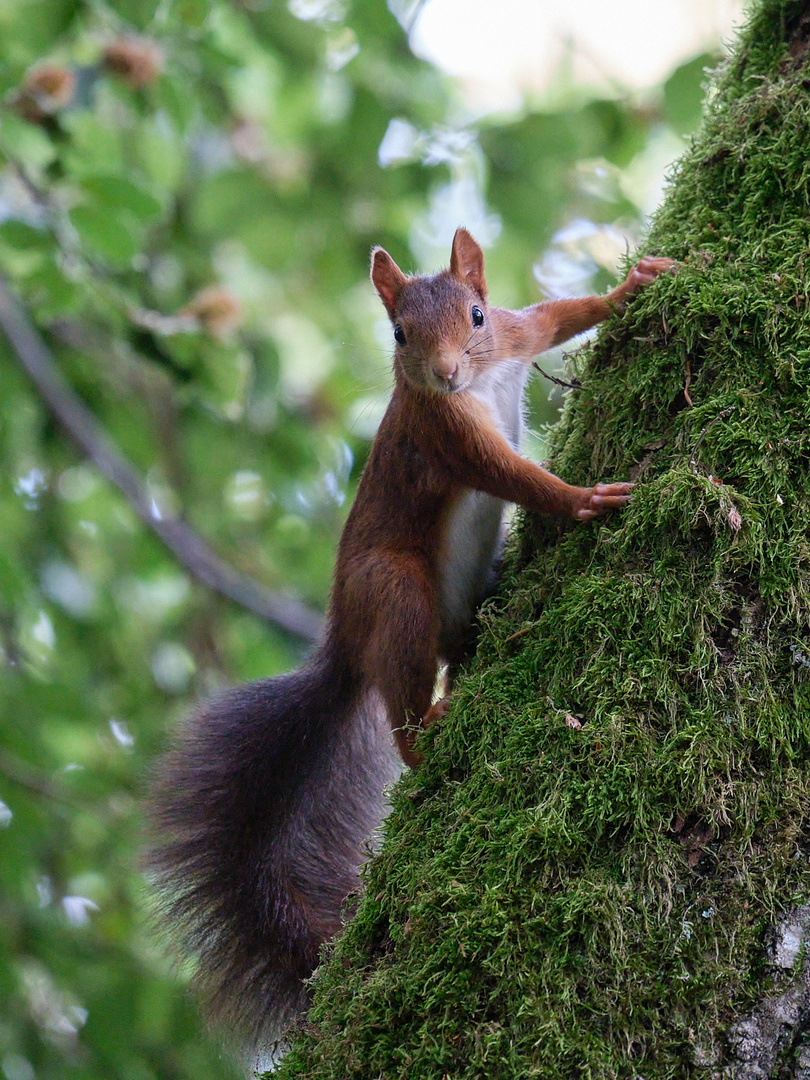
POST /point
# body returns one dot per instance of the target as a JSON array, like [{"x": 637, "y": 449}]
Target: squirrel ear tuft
[
  {"x": 387, "y": 279},
  {"x": 467, "y": 262}
]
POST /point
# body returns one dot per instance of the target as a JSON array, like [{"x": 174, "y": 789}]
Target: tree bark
[{"x": 601, "y": 870}]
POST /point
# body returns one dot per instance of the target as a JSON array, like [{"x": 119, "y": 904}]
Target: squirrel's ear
[
  {"x": 467, "y": 262},
  {"x": 387, "y": 278}
]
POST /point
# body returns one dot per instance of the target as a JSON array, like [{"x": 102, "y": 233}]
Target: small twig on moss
[
  {"x": 686, "y": 393},
  {"x": 184, "y": 543},
  {"x": 575, "y": 384}
]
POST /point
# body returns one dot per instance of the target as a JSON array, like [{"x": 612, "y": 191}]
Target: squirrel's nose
[{"x": 446, "y": 370}]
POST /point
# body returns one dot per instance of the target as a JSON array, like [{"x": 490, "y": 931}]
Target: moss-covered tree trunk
[{"x": 602, "y": 869}]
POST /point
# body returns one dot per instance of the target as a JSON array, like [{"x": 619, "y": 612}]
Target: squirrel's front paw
[
  {"x": 603, "y": 498},
  {"x": 645, "y": 271}
]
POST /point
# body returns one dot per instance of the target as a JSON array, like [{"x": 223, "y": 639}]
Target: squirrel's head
[{"x": 440, "y": 322}]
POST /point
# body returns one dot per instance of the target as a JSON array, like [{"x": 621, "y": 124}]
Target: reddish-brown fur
[{"x": 430, "y": 446}]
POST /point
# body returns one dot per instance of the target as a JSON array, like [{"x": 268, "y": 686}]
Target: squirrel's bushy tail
[{"x": 260, "y": 815}]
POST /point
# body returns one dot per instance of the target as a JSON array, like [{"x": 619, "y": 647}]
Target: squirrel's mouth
[
  {"x": 448, "y": 386},
  {"x": 448, "y": 383}
]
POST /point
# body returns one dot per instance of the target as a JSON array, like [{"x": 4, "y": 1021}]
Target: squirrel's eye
[
  {"x": 477, "y": 316},
  {"x": 399, "y": 335}
]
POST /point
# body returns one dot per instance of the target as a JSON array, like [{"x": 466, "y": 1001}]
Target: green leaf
[
  {"x": 161, "y": 155},
  {"x": 25, "y": 237},
  {"x": 683, "y": 93},
  {"x": 106, "y": 234},
  {"x": 25, "y": 143},
  {"x": 95, "y": 146},
  {"x": 116, "y": 193},
  {"x": 192, "y": 12},
  {"x": 176, "y": 106}
]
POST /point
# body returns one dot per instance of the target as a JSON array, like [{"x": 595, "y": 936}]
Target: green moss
[{"x": 593, "y": 900}]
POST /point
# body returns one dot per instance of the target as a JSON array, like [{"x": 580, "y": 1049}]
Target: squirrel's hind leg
[{"x": 402, "y": 655}]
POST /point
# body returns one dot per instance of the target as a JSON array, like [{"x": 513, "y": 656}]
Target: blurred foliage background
[{"x": 189, "y": 190}]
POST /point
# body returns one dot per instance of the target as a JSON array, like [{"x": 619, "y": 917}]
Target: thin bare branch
[{"x": 575, "y": 384}]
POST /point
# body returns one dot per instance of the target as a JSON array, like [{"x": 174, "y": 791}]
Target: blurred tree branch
[
  {"x": 185, "y": 544},
  {"x": 21, "y": 774}
]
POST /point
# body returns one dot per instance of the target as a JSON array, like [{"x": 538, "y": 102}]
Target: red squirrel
[{"x": 263, "y": 808}]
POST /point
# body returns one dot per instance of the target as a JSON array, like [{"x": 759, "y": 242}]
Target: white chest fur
[{"x": 474, "y": 535}]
